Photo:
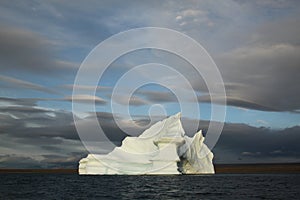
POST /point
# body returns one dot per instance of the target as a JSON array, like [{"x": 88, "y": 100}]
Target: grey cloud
[
  {"x": 265, "y": 75},
  {"x": 66, "y": 25},
  {"x": 158, "y": 97},
  {"x": 147, "y": 97},
  {"x": 50, "y": 148},
  {"x": 19, "y": 101},
  {"x": 38, "y": 140},
  {"x": 235, "y": 101},
  {"x": 133, "y": 100},
  {"x": 24, "y": 50},
  {"x": 282, "y": 31},
  {"x": 23, "y": 109},
  {"x": 269, "y": 4},
  {"x": 24, "y": 104},
  {"x": 264, "y": 68}
]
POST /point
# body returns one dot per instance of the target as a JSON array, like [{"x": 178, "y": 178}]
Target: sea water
[{"x": 72, "y": 186}]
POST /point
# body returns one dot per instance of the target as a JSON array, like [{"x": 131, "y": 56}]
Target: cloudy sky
[{"x": 255, "y": 44}]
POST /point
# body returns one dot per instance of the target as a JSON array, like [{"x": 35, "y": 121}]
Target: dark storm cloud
[
  {"x": 34, "y": 125},
  {"x": 244, "y": 143},
  {"x": 59, "y": 145},
  {"x": 27, "y": 122},
  {"x": 109, "y": 126},
  {"x": 28, "y": 132},
  {"x": 44, "y": 161},
  {"x": 24, "y": 50},
  {"x": 250, "y": 144},
  {"x": 35, "y": 131},
  {"x": 16, "y": 161},
  {"x": 55, "y": 161}
]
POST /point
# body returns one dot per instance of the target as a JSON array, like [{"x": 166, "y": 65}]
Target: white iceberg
[{"x": 161, "y": 149}]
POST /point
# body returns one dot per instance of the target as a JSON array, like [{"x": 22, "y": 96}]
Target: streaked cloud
[
  {"x": 83, "y": 98},
  {"x": 85, "y": 87},
  {"x": 15, "y": 83}
]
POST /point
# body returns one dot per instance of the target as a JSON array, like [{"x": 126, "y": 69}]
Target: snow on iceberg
[{"x": 161, "y": 149}]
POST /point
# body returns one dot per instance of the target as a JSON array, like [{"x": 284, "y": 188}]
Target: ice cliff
[{"x": 162, "y": 149}]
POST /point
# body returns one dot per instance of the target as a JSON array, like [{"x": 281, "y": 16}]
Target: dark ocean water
[{"x": 71, "y": 186}]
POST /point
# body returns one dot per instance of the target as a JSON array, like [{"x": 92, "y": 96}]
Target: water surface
[{"x": 72, "y": 186}]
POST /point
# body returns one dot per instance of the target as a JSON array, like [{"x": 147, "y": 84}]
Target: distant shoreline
[{"x": 293, "y": 168}]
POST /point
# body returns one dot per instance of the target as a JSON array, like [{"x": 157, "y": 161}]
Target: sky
[{"x": 255, "y": 45}]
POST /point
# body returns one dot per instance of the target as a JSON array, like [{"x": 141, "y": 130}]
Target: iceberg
[{"x": 162, "y": 149}]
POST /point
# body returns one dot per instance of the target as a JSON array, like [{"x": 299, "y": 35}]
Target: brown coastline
[
  {"x": 47, "y": 171},
  {"x": 292, "y": 168}
]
